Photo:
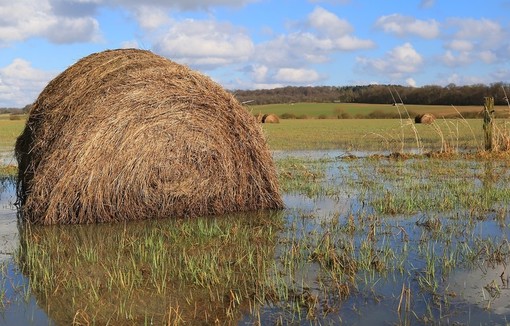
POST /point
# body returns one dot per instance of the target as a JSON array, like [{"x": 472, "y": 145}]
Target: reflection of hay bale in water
[
  {"x": 270, "y": 118},
  {"x": 197, "y": 271},
  {"x": 426, "y": 118},
  {"x": 126, "y": 134}
]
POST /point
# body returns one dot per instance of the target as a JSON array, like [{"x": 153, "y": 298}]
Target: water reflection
[{"x": 199, "y": 271}]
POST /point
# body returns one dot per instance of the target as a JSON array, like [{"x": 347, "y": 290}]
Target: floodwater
[{"x": 360, "y": 256}]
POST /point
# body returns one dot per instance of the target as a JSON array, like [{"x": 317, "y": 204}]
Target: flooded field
[{"x": 364, "y": 240}]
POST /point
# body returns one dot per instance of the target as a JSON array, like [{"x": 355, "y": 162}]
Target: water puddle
[{"x": 365, "y": 241}]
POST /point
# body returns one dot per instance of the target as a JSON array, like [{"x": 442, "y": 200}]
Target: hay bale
[
  {"x": 270, "y": 118},
  {"x": 426, "y": 118},
  {"x": 128, "y": 135}
]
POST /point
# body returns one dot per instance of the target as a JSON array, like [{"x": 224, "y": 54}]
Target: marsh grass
[
  {"x": 400, "y": 227},
  {"x": 178, "y": 271},
  {"x": 412, "y": 219}
]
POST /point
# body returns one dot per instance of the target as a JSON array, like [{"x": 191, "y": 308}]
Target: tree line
[
  {"x": 373, "y": 94},
  {"x": 379, "y": 94}
]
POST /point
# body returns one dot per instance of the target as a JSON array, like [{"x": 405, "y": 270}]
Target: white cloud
[
  {"x": 401, "y": 61},
  {"x": 183, "y": 4},
  {"x": 296, "y": 76},
  {"x": 411, "y": 82},
  {"x": 315, "y": 46},
  {"x": 487, "y": 56},
  {"x": 473, "y": 41},
  {"x": 20, "y": 83},
  {"x": 479, "y": 29},
  {"x": 259, "y": 73},
  {"x": 328, "y": 23},
  {"x": 462, "y": 80},
  {"x": 204, "y": 43},
  {"x": 23, "y": 19},
  {"x": 133, "y": 44},
  {"x": 67, "y": 30},
  {"x": 151, "y": 17},
  {"x": 404, "y": 25},
  {"x": 456, "y": 59},
  {"x": 460, "y": 45}
]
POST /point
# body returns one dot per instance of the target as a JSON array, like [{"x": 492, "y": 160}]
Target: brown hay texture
[
  {"x": 128, "y": 135},
  {"x": 426, "y": 118},
  {"x": 270, "y": 118}
]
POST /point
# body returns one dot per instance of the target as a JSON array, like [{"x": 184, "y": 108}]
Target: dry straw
[
  {"x": 129, "y": 135},
  {"x": 270, "y": 118},
  {"x": 426, "y": 118}
]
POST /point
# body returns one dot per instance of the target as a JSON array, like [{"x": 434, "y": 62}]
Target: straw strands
[{"x": 128, "y": 135}]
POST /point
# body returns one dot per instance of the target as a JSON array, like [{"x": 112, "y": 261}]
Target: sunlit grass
[{"x": 372, "y": 134}]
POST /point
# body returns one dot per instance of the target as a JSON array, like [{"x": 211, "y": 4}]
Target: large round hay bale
[
  {"x": 270, "y": 118},
  {"x": 426, "y": 118},
  {"x": 127, "y": 135}
]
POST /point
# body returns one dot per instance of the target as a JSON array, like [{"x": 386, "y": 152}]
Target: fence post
[{"x": 488, "y": 123}]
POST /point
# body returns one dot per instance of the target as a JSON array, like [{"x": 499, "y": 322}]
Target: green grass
[
  {"x": 9, "y": 131},
  {"x": 371, "y": 134},
  {"x": 348, "y": 134}
]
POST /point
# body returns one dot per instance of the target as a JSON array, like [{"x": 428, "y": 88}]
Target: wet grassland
[{"x": 412, "y": 236}]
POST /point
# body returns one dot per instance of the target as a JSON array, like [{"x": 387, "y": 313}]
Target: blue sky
[{"x": 250, "y": 44}]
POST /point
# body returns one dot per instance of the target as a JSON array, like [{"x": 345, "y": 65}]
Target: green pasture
[
  {"x": 376, "y": 134},
  {"x": 9, "y": 131},
  {"x": 349, "y": 134},
  {"x": 333, "y": 110}
]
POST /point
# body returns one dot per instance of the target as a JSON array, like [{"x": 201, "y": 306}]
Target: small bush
[
  {"x": 344, "y": 115},
  {"x": 14, "y": 116},
  {"x": 302, "y": 116},
  {"x": 288, "y": 116},
  {"x": 322, "y": 116}
]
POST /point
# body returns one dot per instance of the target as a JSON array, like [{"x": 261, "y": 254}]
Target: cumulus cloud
[
  {"x": 411, "y": 82},
  {"x": 69, "y": 21},
  {"x": 454, "y": 59},
  {"x": 205, "y": 43},
  {"x": 480, "y": 29},
  {"x": 20, "y": 83},
  {"x": 259, "y": 73},
  {"x": 405, "y": 25},
  {"x": 327, "y": 34},
  {"x": 460, "y": 45},
  {"x": 150, "y": 17},
  {"x": 468, "y": 41},
  {"x": 296, "y": 76},
  {"x": 328, "y": 23},
  {"x": 399, "y": 62},
  {"x": 487, "y": 56},
  {"x": 133, "y": 44},
  {"x": 22, "y": 19},
  {"x": 183, "y": 4}
]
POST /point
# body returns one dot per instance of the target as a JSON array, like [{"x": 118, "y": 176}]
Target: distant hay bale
[
  {"x": 426, "y": 118},
  {"x": 128, "y": 135},
  {"x": 270, "y": 118}
]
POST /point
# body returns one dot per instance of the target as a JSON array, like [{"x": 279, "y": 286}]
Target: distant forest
[
  {"x": 379, "y": 94},
  {"x": 373, "y": 94}
]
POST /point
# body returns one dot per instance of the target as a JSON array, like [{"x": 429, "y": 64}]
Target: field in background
[
  {"x": 353, "y": 110},
  {"x": 348, "y": 134},
  {"x": 9, "y": 131},
  {"x": 374, "y": 134}
]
